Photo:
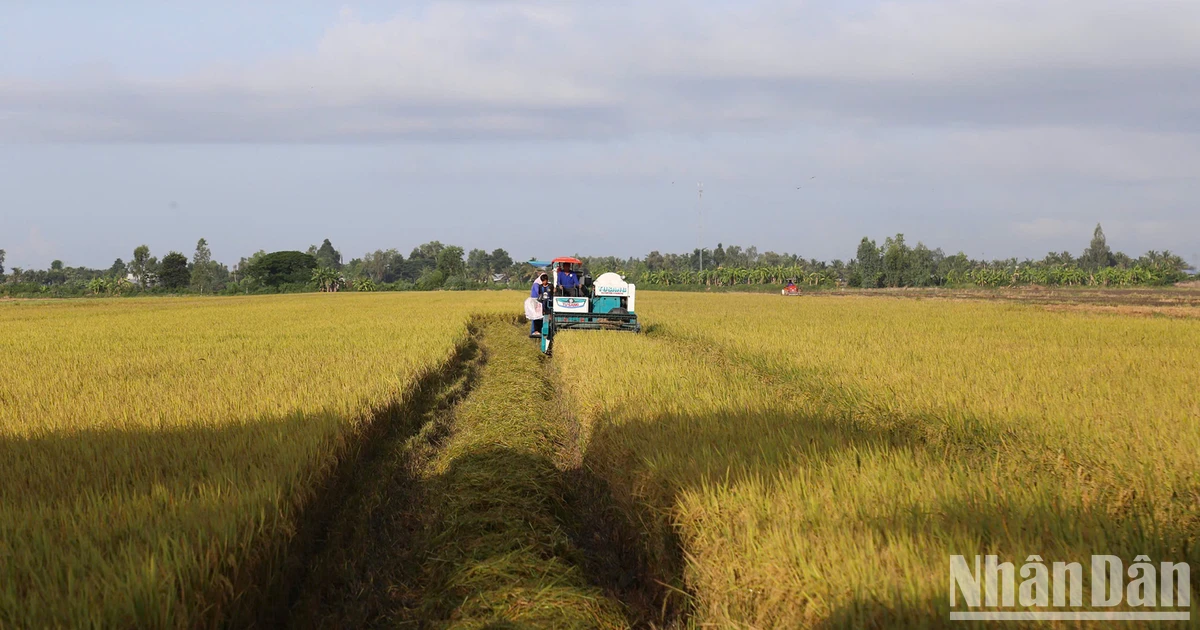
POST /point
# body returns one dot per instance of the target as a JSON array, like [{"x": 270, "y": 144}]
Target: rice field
[
  {"x": 818, "y": 460},
  {"x": 153, "y": 451},
  {"x": 773, "y": 462}
]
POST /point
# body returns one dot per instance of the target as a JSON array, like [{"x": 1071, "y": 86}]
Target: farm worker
[
  {"x": 568, "y": 280},
  {"x": 533, "y": 306}
]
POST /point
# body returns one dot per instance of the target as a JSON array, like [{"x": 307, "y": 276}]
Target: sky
[{"x": 999, "y": 128}]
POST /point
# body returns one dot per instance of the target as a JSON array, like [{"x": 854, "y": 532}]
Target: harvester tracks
[
  {"x": 472, "y": 507},
  {"x": 365, "y": 487}
]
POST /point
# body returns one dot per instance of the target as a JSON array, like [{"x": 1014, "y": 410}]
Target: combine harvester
[{"x": 606, "y": 303}]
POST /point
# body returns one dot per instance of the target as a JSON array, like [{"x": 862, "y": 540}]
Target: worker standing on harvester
[
  {"x": 568, "y": 280},
  {"x": 533, "y": 306}
]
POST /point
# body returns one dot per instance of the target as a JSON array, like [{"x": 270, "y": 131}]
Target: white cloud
[{"x": 534, "y": 69}]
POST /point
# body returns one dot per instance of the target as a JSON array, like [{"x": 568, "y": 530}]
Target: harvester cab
[{"x": 603, "y": 303}]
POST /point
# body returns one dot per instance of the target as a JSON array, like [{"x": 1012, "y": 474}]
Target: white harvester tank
[{"x": 611, "y": 285}]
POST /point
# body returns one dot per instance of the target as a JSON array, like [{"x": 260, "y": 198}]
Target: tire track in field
[
  {"x": 365, "y": 507},
  {"x": 474, "y": 519}
]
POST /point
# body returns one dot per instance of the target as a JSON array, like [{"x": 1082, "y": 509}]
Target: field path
[{"x": 470, "y": 521}]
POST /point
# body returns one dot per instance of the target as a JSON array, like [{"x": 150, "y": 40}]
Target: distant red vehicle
[{"x": 791, "y": 288}]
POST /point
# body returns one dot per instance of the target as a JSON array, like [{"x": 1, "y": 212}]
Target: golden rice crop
[
  {"x": 149, "y": 448},
  {"x": 821, "y": 458},
  {"x": 798, "y": 462}
]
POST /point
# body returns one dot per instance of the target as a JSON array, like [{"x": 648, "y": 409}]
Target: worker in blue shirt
[
  {"x": 568, "y": 280},
  {"x": 540, "y": 287}
]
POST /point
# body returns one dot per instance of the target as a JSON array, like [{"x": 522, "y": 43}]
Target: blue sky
[{"x": 1001, "y": 128}]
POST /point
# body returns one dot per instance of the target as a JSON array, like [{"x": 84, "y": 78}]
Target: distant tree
[
  {"x": 327, "y": 279},
  {"x": 1170, "y": 267},
  {"x": 921, "y": 270},
  {"x": 1058, "y": 258},
  {"x": 479, "y": 264},
  {"x": 241, "y": 271},
  {"x": 422, "y": 258},
  {"x": 450, "y": 261},
  {"x": 382, "y": 266},
  {"x": 430, "y": 280},
  {"x": 501, "y": 261},
  {"x": 374, "y": 266},
  {"x": 870, "y": 264},
  {"x": 414, "y": 268},
  {"x": 428, "y": 251},
  {"x": 173, "y": 273},
  {"x": 203, "y": 253},
  {"x": 954, "y": 268},
  {"x": 772, "y": 259},
  {"x": 895, "y": 261},
  {"x": 203, "y": 273},
  {"x": 283, "y": 267},
  {"x": 722, "y": 256},
  {"x": 327, "y": 256},
  {"x": 57, "y": 274},
  {"x": 1122, "y": 260},
  {"x": 1, "y": 262},
  {"x": 152, "y": 269},
  {"x": 353, "y": 270},
  {"x": 140, "y": 265},
  {"x": 718, "y": 256},
  {"x": 118, "y": 269},
  {"x": 1097, "y": 255}
]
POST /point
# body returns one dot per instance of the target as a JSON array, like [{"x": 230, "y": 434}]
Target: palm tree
[{"x": 326, "y": 278}]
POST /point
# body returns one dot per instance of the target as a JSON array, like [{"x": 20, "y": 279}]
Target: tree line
[
  {"x": 429, "y": 266},
  {"x": 434, "y": 265},
  {"x": 896, "y": 264}
]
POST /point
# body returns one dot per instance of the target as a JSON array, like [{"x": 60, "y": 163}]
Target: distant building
[{"x": 151, "y": 280}]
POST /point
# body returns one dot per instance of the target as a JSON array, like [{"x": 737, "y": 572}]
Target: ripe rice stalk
[{"x": 818, "y": 460}]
